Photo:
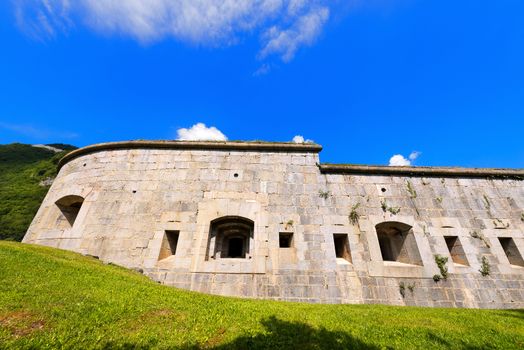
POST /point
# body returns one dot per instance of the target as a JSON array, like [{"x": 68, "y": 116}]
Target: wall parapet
[
  {"x": 258, "y": 146},
  {"x": 517, "y": 174}
]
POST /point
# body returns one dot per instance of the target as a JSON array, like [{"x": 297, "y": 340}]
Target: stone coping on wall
[
  {"x": 517, "y": 174},
  {"x": 258, "y": 146}
]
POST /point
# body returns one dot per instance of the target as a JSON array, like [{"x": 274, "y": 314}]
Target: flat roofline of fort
[
  {"x": 291, "y": 147},
  {"x": 421, "y": 171},
  {"x": 260, "y": 146}
]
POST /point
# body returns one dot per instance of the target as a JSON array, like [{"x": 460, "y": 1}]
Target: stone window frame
[
  {"x": 220, "y": 204},
  {"x": 492, "y": 235},
  {"x": 450, "y": 227},
  {"x": 377, "y": 267},
  {"x": 519, "y": 251}
]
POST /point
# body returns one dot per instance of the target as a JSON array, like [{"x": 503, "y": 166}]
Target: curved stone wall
[{"x": 264, "y": 220}]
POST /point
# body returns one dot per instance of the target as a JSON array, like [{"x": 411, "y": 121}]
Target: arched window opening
[
  {"x": 230, "y": 237},
  {"x": 397, "y": 243},
  {"x": 69, "y": 207}
]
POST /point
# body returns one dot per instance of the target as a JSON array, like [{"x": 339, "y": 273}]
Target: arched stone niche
[{"x": 230, "y": 237}]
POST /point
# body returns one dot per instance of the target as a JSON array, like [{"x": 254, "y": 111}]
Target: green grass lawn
[{"x": 56, "y": 299}]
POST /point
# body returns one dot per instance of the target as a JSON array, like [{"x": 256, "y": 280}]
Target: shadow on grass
[
  {"x": 295, "y": 335},
  {"x": 516, "y": 313}
]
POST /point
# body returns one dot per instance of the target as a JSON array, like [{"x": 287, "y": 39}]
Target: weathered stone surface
[{"x": 135, "y": 192}]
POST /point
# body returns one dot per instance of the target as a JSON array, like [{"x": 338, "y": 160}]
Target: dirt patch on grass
[
  {"x": 21, "y": 323},
  {"x": 157, "y": 317},
  {"x": 217, "y": 338}
]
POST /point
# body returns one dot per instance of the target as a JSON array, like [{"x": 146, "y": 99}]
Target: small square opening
[
  {"x": 169, "y": 244},
  {"x": 511, "y": 251},
  {"x": 342, "y": 246},
  {"x": 456, "y": 250},
  {"x": 285, "y": 239}
]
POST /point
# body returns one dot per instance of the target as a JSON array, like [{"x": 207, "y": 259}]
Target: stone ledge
[
  {"x": 195, "y": 145},
  {"x": 517, "y": 174}
]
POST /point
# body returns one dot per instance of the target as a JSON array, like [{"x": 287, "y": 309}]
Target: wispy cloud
[
  {"x": 400, "y": 160},
  {"x": 200, "y": 132},
  {"x": 283, "y": 25},
  {"x": 286, "y": 41},
  {"x": 36, "y": 132}
]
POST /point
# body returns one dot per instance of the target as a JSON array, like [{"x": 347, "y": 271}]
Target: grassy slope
[
  {"x": 53, "y": 299},
  {"x": 22, "y": 168}
]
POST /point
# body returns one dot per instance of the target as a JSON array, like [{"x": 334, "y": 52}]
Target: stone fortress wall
[{"x": 267, "y": 220}]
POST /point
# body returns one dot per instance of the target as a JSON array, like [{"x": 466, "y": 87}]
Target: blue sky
[{"x": 366, "y": 79}]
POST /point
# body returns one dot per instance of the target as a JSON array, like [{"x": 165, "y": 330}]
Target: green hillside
[
  {"x": 57, "y": 299},
  {"x": 24, "y": 170}
]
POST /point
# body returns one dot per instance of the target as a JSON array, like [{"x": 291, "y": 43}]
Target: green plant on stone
[
  {"x": 384, "y": 205},
  {"x": 522, "y": 217},
  {"x": 393, "y": 210},
  {"x": 386, "y": 208},
  {"x": 484, "y": 267},
  {"x": 441, "y": 262},
  {"x": 487, "y": 203},
  {"x": 480, "y": 236},
  {"x": 324, "y": 194},
  {"x": 402, "y": 289},
  {"x": 500, "y": 224},
  {"x": 354, "y": 215},
  {"x": 411, "y": 288},
  {"x": 411, "y": 190},
  {"x": 439, "y": 199},
  {"x": 289, "y": 224},
  {"x": 437, "y": 277}
]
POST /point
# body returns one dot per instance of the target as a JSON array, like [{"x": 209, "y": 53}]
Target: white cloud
[
  {"x": 414, "y": 155},
  {"x": 286, "y": 25},
  {"x": 400, "y": 160},
  {"x": 200, "y": 132},
  {"x": 300, "y": 139},
  {"x": 286, "y": 42}
]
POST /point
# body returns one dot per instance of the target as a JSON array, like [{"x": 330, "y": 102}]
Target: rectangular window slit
[
  {"x": 285, "y": 239},
  {"x": 456, "y": 250},
  {"x": 511, "y": 251},
  {"x": 169, "y": 244},
  {"x": 342, "y": 246}
]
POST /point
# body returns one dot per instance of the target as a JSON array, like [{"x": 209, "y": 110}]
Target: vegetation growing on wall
[
  {"x": 25, "y": 176},
  {"x": 487, "y": 203},
  {"x": 411, "y": 190},
  {"x": 484, "y": 267},
  {"x": 324, "y": 194},
  {"x": 441, "y": 262},
  {"x": 481, "y": 237},
  {"x": 386, "y": 208},
  {"x": 354, "y": 216}
]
